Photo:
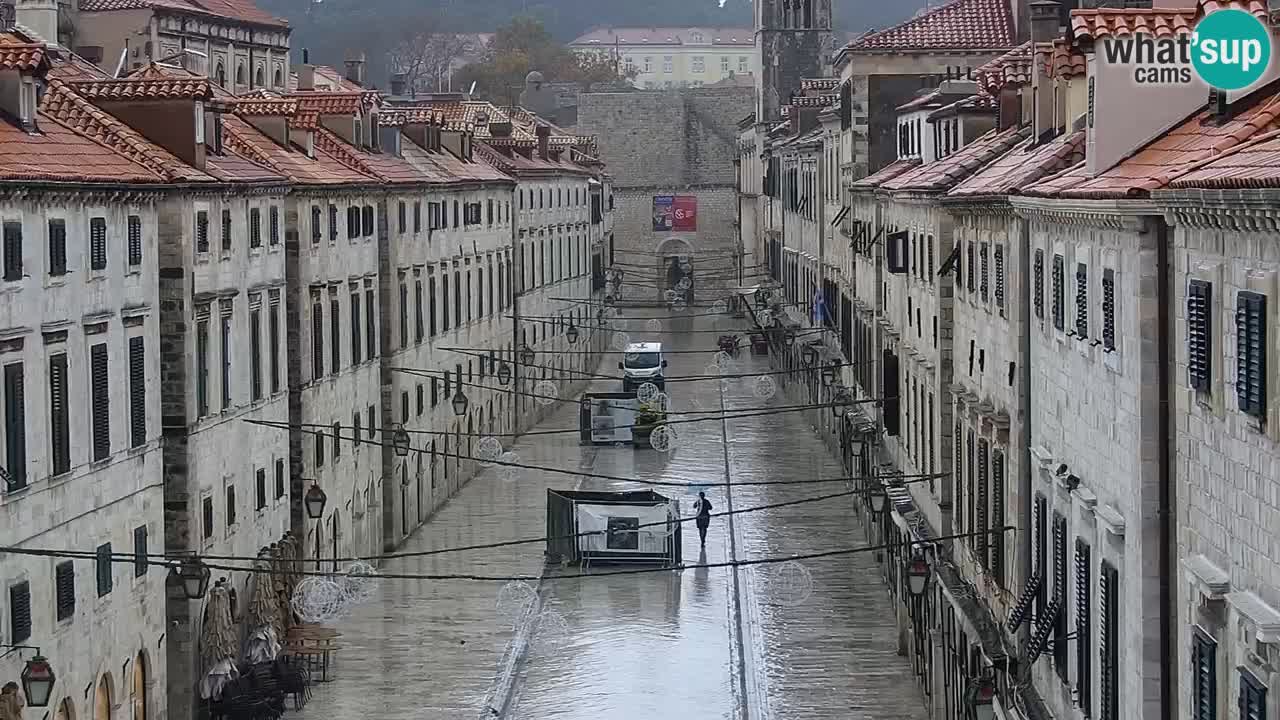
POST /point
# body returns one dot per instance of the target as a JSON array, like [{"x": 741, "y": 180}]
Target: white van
[{"x": 642, "y": 363}]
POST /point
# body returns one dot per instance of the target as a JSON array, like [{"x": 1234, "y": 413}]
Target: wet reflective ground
[{"x": 700, "y": 643}]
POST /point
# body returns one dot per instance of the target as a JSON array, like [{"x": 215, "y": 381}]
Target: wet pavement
[{"x": 747, "y": 643}]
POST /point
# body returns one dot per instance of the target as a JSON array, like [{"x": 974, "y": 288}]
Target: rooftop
[
  {"x": 59, "y": 154},
  {"x": 1014, "y": 67},
  {"x": 1096, "y": 23},
  {"x": 888, "y": 172},
  {"x": 241, "y": 10},
  {"x": 601, "y": 37},
  {"x": 946, "y": 173},
  {"x": 1024, "y": 164},
  {"x": 957, "y": 25},
  {"x": 1253, "y": 164},
  {"x": 19, "y": 52}
]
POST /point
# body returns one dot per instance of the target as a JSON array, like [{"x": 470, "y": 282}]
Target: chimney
[
  {"x": 306, "y": 72},
  {"x": 1010, "y": 108},
  {"x": 544, "y": 141},
  {"x": 355, "y": 69},
  {"x": 398, "y": 83},
  {"x": 40, "y": 17},
  {"x": 1044, "y": 29}
]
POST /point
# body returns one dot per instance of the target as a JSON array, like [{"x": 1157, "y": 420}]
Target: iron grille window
[
  {"x": 15, "y": 424},
  {"x": 226, "y": 231},
  {"x": 317, "y": 229},
  {"x": 12, "y": 251},
  {"x": 370, "y": 325},
  {"x": 1060, "y": 596},
  {"x": 317, "y": 337},
  {"x": 333, "y": 223},
  {"x": 1204, "y": 677},
  {"x": 1251, "y": 353},
  {"x": 255, "y": 227},
  {"x": 366, "y": 220},
  {"x": 97, "y": 243},
  {"x": 58, "y": 247},
  {"x": 135, "y": 241},
  {"x": 1058, "y": 293},
  {"x": 137, "y": 391},
  {"x": 279, "y": 479},
  {"x": 997, "y": 517},
  {"x": 102, "y": 565},
  {"x": 64, "y": 584},
  {"x": 983, "y": 487},
  {"x": 1199, "y": 338},
  {"x": 274, "y": 229},
  {"x": 1084, "y": 648},
  {"x": 260, "y": 488},
  {"x": 1082, "y": 300},
  {"x": 100, "y": 401},
  {"x": 1253, "y": 698},
  {"x": 1041, "y": 521},
  {"x": 984, "y": 288},
  {"x": 355, "y": 328},
  {"x": 202, "y": 232},
  {"x": 140, "y": 564},
  {"x": 335, "y": 333},
  {"x": 1037, "y": 284},
  {"x": 999, "y": 289},
  {"x": 19, "y": 612},
  {"x": 1109, "y": 642}
]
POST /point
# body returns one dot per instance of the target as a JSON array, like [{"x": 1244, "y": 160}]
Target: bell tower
[{"x": 794, "y": 40}]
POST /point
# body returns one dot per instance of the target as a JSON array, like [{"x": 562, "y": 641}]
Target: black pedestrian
[{"x": 703, "y": 510}]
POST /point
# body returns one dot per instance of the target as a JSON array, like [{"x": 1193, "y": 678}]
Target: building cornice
[
  {"x": 1116, "y": 214},
  {"x": 978, "y": 205},
  {"x": 86, "y": 194},
  {"x": 1243, "y": 210}
]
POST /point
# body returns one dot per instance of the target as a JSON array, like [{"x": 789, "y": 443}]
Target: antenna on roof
[
  {"x": 124, "y": 55},
  {"x": 472, "y": 90}
]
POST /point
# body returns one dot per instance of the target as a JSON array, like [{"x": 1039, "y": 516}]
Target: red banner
[{"x": 686, "y": 213}]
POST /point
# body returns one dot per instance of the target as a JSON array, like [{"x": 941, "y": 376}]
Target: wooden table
[{"x": 313, "y": 643}]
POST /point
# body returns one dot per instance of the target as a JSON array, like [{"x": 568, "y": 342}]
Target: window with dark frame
[
  {"x": 1252, "y": 702},
  {"x": 1251, "y": 353},
  {"x": 366, "y": 220},
  {"x": 206, "y": 509},
  {"x": 317, "y": 228},
  {"x": 274, "y": 229},
  {"x": 64, "y": 590},
  {"x": 337, "y": 441},
  {"x": 15, "y": 424},
  {"x": 1040, "y": 520},
  {"x": 333, "y": 223},
  {"x": 1059, "y": 290},
  {"x": 1109, "y": 642},
  {"x": 1108, "y": 309},
  {"x": 58, "y": 247},
  {"x": 102, "y": 568},
  {"x": 255, "y": 350},
  {"x": 996, "y": 542},
  {"x": 231, "y": 505},
  {"x": 224, "y": 317},
  {"x": 19, "y": 612},
  {"x": 1084, "y": 617},
  {"x": 137, "y": 391},
  {"x": 1060, "y": 595},
  {"x": 202, "y": 231},
  {"x": 100, "y": 401},
  {"x": 1082, "y": 301},
  {"x": 97, "y": 243},
  {"x": 335, "y": 333},
  {"x": 317, "y": 336},
  {"x": 202, "y": 361},
  {"x": 984, "y": 286},
  {"x": 981, "y": 544},
  {"x": 280, "y": 483},
  {"x": 318, "y": 440},
  {"x": 226, "y": 230},
  {"x": 353, "y": 222},
  {"x": 356, "y": 337},
  {"x": 419, "y": 324},
  {"x": 273, "y": 338},
  {"x": 255, "y": 227},
  {"x": 370, "y": 325},
  {"x": 1037, "y": 284},
  {"x": 135, "y": 241},
  {"x": 140, "y": 560}
]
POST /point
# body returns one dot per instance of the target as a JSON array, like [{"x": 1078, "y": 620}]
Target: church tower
[{"x": 795, "y": 41}]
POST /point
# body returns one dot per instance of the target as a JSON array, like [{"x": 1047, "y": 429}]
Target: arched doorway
[
  {"x": 674, "y": 262},
  {"x": 66, "y": 710},
  {"x": 102, "y": 699},
  {"x": 140, "y": 678}
]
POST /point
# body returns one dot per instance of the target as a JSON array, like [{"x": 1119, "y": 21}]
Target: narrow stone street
[{"x": 698, "y": 643}]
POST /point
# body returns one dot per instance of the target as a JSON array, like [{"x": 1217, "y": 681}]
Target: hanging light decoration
[
  {"x": 460, "y": 403},
  {"x": 38, "y": 679},
  {"x": 877, "y": 498},
  {"x": 981, "y": 695},
  {"x": 789, "y": 338},
  {"x": 504, "y": 373},
  {"x": 314, "y": 501},
  {"x": 571, "y": 333},
  {"x": 193, "y": 575},
  {"x": 829, "y": 373},
  {"x": 809, "y": 355},
  {"x": 400, "y": 440},
  {"x": 917, "y": 574},
  {"x": 526, "y": 354}
]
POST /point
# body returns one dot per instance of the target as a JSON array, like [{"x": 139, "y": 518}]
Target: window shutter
[
  {"x": 317, "y": 218},
  {"x": 15, "y": 423},
  {"x": 1084, "y": 648},
  {"x": 366, "y": 220},
  {"x": 402, "y": 217},
  {"x": 12, "y": 251},
  {"x": 260, "y": 488},
  {"x": 333, "y": 223},
  {"x": 1041, "y": 523},
  {"x": 1059, "y": 282},
  {"x": 103, "y": 567},
  {"x": 140, "y": 564},
  {"x": 1253, "y": 698},
  {"x": 1199, "y": 339},
  {"x": 137, "y": 391},
  {"x": 370, "y": 325},
  {"x": 1109, "y": 642},
  {"x": 226, "y": 230},
  {"x": 1204, "y": 681},
  {"x": 135, "y": 240},
  {"x": 355, "y": 328},
  {"x": 997, "y": 517},
  {"x": 65, "y": 590},
  {"x": 101, "y": 402},
  {"x": 1108, "y": 309},
  {"x": 999, "y": 291},
  {"x": 317, "y": 337},
  {"x": 202, "y": 231},
  {"x": 957, "y": 472},
  {"x": 353, "y": 222},
  {"x": 255, "y": 227},
  {"x": 59, "y": 422},
  {"x": 1060, "y": 595},
  {"x": 981, "y": 541},
  {"x": 1037, "y": 280},
  {"x": 279, "y": 479},
  {"x": 274, "y": 220},
  {"x": 890, "y": 409},
  {"x": 335, "y": 333},
  {"x": 19, "y": 612},
  {"x": 973, "y": 268},
  {"x": 1082, "y": 300},
  {"x": 984, "y": 286},
  {"x": 57, "y": 247},
  {"x": 98, "y": 243},
  {"x": 1251, "y": 353},
  {"x": 231, "y": 505},
  {"x": 206, "y": 506}
]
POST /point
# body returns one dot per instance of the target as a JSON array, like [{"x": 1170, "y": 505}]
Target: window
[
  {"x": 333, "y": 223},
  {"x": 316, "y": 229},
  {"x": 1040, "y": 520},
  {"x": 402, "y": 217},
  {"x": 64, "y": 581},
  {"x": 666, "y": 64},
  {"x": 15, "y": 424},
  {"x": 135, "y": 241},
  {"x": 1199, "y": 329},
  {"x": 997, "y": 514},
  {"x": 999, "y": 290},
  {"x": 648, "y": 64},
  {"x": 419, "y": 325},
  {"x": 260, "y": 488},
  {"x": 444, "y": 300},
  {"x": 318, "y": 437},
  {"x": 372, "y": 418},
  {"x": 1084, "y": 647},
  {"x": 417, "y": 216},
  {"x": 102, "y": 566},
  {"x": 255, "y": 350},
  {"x": 435, "y": 391},
  {"x": 404, "y": 405},
  {"x": 279, "y": 479},
  {"x": 335, "y": 332},
  {"x": 273, "y": 339},
  {"x": 97, "y": 243},
  {"x": 366, "y": 221},
  {"x": 226, "y": 231},
  {"x": 231, "y": 505},
  {"x": 1251, "y": 353},
  {"x": 317, "y": 336},
  {"x": 19, "y": 612},
  {"x": 370, "y": 325},
  {"x": 58, "y": 247},
  {"x": 12, "y": 251},
  {"x": 355, "y": 327},
  {"x": 1109, "y": 642},
  {"x": 742, "y": 63},
  {"x": 100, "y": 401},
  {"x": 137, "y": 391},
  {"x": 224, "y": 316},
  {"x": 206, "y": 510},
  {"x": 1082, "y": 300},
  {"x": 355, "y": 433},
  {"x": 1253, "y": 698},
  {"x": 699, "y": 64},
  {"x": 984, "y": 286},
  {"x": 353, "y": 222},
  {"x": 337, "y": 441},
  {"x": 255, "y": 227},
  {"x": 973, "y": 267},
  {"x": 1108, "y": 309},
  {"x": 1059, "y": 290},
  {"x": 1060, "y": 597},
  {"x": 724, "y": 64},
  {"x": 140, "y": 564},
  {"x": 1037, "y": 284},
  {"x": 404, "y": 312},
  {"x": 274, "y": 229},
  {"x": 202, "y": 361}
]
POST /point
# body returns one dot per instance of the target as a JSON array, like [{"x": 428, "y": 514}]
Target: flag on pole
[{"x": 819, "y": 308}]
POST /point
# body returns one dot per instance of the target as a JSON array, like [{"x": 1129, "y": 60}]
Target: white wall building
[{"x": 676, "y": 57}]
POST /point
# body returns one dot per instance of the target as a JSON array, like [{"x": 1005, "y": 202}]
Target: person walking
[{"x": 702, "y": 508}]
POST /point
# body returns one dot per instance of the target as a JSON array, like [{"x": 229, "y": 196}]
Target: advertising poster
[
  {"x": 686, "y": 213},
  {"x": 663, "y": 213},
  {"x": 611, "y": 419}
]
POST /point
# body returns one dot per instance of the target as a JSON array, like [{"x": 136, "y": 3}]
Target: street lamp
[
  {"x": 829, "y": 373},
  {"x": 571, "y": 333},
  {"x": 37, "y": 681},
  {"x": 981, "y": 695},
  {"x": 504, "y": 373},
  {"x": 789, "y": 338},
  {"x": 917, "y": 574},
  {"x": 526, "y": 354},
  {"x": 314, "y": 501},
  {"x": 400, "y": 440},
  {"x": 877, "y": 497},
  {"x": 841, "y": 399},
  {"x": 193, "y": 575},
  {"x": 459, "y": 403},
  {"x": 809, "y": 355}
]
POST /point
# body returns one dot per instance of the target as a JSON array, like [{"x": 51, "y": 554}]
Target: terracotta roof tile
[
  {"x": 946, "y": 173},
  {"x": 1096, "y": 23},
  {"x": 1254, "y": 164},
  {"x": 1067, "y": 61},
  {"x": 333, "y": 103},
  {"x": 17, "y": 52},
  {"x": 923, "y": 101},
  {"x": 1014, "y": 67},
  {"x": 59, "y": 154},
  {"x": 233, "y": 166},
  {"x": 445, "y": 166},
  {"x": 291, "y": 162},
  {"x": 152, "y": 88},
  {"x": 387, "y": 168},
  {"x": 61, "y": 102},
  {"x": 264, "y": 107},
  {"x": 242, "y": 10},
  {"x": 1022, "y": 165},
  {"x": 818, "y": 83},
  {"x": 978, "y": 103},
  {"x": 605, "y": 37},
  {"x": 888, "y": 172},
  {"x": 1166, "y": 158},
  {"x": 69, "y": 67},
  {"x": 961, "y": 24},
  {"x": 1257, "y": 8}
]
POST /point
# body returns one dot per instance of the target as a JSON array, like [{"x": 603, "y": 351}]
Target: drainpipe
[
  {"x": 1025, "y": 567},
  {"x": 1167, "y": 490}
]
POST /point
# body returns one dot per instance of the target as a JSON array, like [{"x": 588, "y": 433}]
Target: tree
[{"x": 425, "y": 58}]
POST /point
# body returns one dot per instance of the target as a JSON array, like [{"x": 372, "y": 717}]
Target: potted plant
[{"x": 649, "y": 417}]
